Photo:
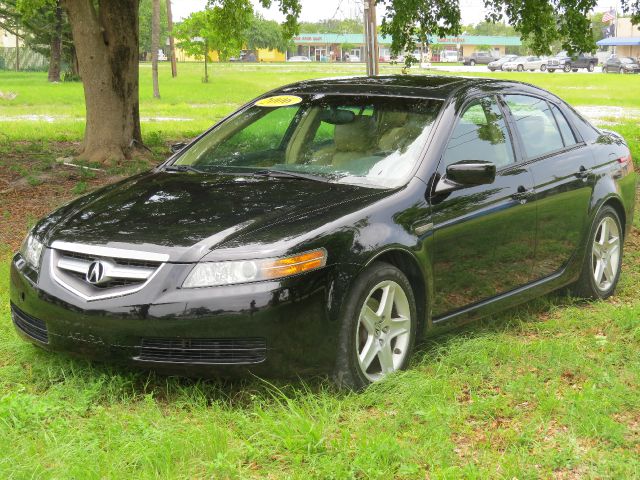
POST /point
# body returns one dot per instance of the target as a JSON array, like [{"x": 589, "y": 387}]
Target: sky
[{"x": 314, "y": 10}]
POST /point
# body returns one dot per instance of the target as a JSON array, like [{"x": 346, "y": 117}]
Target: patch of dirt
[{"x": 33, "y": 183}]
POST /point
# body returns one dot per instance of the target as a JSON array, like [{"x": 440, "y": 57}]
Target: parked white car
[
  {"x": 299, "y": 58},
  {"x": 531, "y": 63}
]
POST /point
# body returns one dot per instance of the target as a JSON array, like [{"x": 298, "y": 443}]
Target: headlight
[
  {"x": 31, "y": 251},
  {"x": 210, "y": 274}
]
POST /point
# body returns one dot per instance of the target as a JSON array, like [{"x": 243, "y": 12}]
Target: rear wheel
[
  {"x": 602, "y": 264},
  {"x": 543, "y": 67},
  {"x": 378, "y": 327},
  {"x": 520, "y": 68}
]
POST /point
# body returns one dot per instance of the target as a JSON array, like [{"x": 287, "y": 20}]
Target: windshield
[
  {"x": 364, "y": 140},
  {"x": 627, "y": 60}
]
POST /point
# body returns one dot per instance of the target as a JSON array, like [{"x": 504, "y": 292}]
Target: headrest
[
  {"x": 391, "y": 119},
  {"x": 354, "y": 136}
]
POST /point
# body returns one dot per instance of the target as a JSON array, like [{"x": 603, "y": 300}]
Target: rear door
[
  {"x": 483, "y": 235},
  {"x": 560, "y": 163}
]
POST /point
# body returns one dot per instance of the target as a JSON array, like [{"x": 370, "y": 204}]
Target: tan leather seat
[{"x": 351, "y": 141}]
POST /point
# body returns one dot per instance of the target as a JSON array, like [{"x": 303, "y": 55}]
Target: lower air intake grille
[
  {"x": 29, "y": 325},
  {"x": 209, "y": 351}
]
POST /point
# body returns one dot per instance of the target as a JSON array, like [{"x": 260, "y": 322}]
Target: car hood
[{"x": 186, "y": 215}]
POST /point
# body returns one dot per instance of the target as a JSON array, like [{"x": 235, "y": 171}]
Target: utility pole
[
  {"x": 172, "y": 45},
  {"x": 371, "y": 38}
]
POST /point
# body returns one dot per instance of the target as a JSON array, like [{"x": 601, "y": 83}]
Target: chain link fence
[{"x": 29, "y": 60}]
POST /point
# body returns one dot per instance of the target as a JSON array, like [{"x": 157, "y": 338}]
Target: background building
[
  {"x": 324, "y": 47},
  {"x": 626, "y": 42}
]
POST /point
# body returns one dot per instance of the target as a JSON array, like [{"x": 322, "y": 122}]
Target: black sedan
[
  {"x": 621, "y": 65},
  {"x": 327, "y": 226}
]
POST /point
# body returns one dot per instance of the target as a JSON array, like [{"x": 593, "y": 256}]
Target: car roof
[{"x": 440, "y": 87}]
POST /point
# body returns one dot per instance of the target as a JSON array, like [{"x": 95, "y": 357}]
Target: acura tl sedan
[{"x": 328, "y": 226}]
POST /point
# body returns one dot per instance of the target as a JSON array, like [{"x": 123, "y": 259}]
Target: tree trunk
[
  {"x": 155, "y": 45},
  {"x": 172, "y": 44},
  {"x": 17, "y": 54},
  {"x": 56, "y": 47},
  {"x": 107, "y": 42}
]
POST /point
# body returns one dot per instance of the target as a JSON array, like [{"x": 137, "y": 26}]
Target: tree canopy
[{"x": 541, "y": 23}]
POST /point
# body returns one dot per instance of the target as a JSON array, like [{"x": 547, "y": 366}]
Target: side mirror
[
  {"x": 466, "y": 173},
  {"x": 176, "y": 147}
]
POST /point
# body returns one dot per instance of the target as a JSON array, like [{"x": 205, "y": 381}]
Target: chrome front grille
[{"x": 96, "y": 272}]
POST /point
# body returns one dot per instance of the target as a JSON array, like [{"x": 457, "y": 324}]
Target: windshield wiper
[
  {"x": 289, "y": 174},
  {"x": 182, "y": 168}
]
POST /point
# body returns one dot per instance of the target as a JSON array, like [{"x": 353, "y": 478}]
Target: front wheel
[
  {"x": 603, "y": 261},
  {"x": 567, "y": 68},
  {"x": 378, "y": 329},
  {"x": 520, "y": 68},
  {"x": 472, "y": 63},
  {"x": 543, "y": 67}
]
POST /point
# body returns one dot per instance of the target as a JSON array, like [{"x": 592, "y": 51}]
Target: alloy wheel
[
  {"x": 384, "y": 330},
  {"x": 606, "y": 254}
]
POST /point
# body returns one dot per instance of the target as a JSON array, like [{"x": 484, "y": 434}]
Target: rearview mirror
[{"x": 467, "y": 173}]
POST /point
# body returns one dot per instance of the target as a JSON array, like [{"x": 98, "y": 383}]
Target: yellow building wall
[
  {"x": 467, "y": 50},
  {"x": 266, "y": 55}
]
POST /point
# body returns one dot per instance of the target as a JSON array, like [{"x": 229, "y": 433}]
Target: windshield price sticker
[{"x": 278, "y": 101}]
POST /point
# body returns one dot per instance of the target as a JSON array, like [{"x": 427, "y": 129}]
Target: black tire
[
  {"x": 347, "y": 371},
  {"x": 520, "y": 68},
  {"x": 551, "y": 70},
  {"x": 567, "y": 68},
  {"x": 574, "y": 70},
  {"x": 472, "y": 63},
  {"x": 586, "y": 286},
  {"x": 591, "y": 67},
  {"x": 543, "y": 67}
]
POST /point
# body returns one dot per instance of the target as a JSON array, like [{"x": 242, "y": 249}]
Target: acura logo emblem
[{"x": 95, "y": 274}]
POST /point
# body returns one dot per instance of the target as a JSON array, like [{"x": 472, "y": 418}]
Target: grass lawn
[{"x": 548, "y": 390}]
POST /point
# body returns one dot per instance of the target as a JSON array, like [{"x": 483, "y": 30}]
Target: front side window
[
  {"x": 366, "y": 140},
  {"x": 480, "y": 134},
  {"x": 536, "y": 125}
]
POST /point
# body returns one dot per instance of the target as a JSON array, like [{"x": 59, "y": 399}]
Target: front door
[{"x": 484, "y": 235}]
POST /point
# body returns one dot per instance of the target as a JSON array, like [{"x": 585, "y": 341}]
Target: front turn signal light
[{"x": 211, "y": 274}]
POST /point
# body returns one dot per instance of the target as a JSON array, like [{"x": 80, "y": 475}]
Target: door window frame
[
  {"x": 579, "y": 140},
  {"x": 505, "y": 113}
]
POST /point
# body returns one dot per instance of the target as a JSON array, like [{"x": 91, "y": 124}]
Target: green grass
[
  {"x": 188, "y": 106},
  {"x": 548, "y": 390}
]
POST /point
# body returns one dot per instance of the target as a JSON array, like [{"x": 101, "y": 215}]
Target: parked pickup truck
[
  {"x": 481, "y": 58},
  {"x": 567, "y": 63}
]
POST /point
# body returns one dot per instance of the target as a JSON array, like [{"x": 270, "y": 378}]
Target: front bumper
[{"x": 276, "y": 328}]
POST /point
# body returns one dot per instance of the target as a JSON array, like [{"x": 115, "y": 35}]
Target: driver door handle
[
  {"x": 522, "y": 194},
  {"x": 583, "y": 172}
]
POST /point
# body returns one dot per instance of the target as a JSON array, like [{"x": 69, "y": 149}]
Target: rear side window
[
  {"x": 567, "y": 134},
  {"x": 536, "y": 124},
  {"x": 480, "y": 134}
]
